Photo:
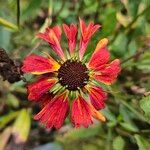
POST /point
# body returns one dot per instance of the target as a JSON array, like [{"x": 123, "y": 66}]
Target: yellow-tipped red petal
[
  {"x": 100, "y": 56},
  {"x": 39, "y": 88},
  {"x": 96, "y": 114},
  {"x": 39, "y": 65},
  {"x": 101, "y": 44},
  {"x": 53, "y": 36}
]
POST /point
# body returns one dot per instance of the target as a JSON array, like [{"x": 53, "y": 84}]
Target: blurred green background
[{"x": 126, "y": 23}]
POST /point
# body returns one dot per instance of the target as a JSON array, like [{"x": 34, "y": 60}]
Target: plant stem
[
  {"x": 109, "y": 139},
  {"x": 18, "y": 13},
  {"x": 136, "y": 55}
]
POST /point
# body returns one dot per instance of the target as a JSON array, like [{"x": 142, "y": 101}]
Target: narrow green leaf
[
  {"x": 21, "y": 126},
  {"x": 4, "y": 120},
  {"x": 31, "y": 8},
  {"x": 128, "y": 126},
  {"x": 8, "y": 24}
]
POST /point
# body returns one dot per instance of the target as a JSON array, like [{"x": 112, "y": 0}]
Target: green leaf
[
  {"x": 129, "y": 127},
  {"x": 118, "y": 143},
  {"x": 109, "y": 24},
  {"x": 12, "y": 100},
  {"x": 142, "y": 143},
  {"x": 8, "y": 24},
  {"x": 31, "y": 8},
  {"x": 4, "y": 120},
  {"x": 133, "y": 7},
  {"x": 144, "y": 63},
  {"x": 145, "y": 105},
  {"x": 21, "y": 126},
  {"x": 119, "y": 47},
  {"x": 127, "y": 116},
  {"x": 5, "y": 36},
  {"x": 110, "y": 116},
  {"x": 132, "y": 47}
]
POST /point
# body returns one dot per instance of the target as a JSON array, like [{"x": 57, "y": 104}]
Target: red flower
[{"x": 68, "y": 78}]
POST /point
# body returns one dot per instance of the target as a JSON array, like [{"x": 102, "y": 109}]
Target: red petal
[
  {"x": 52, "y": 36},
  {"x": 54, "y": 113},
  {"x": 86, "y": 33},
  {"x": 97, "y": 114},
  {"x": 39, "y": 65},
  {"x": 97, "y": 97},
  {"x": 109, "y": 73},
  {"x": 71, "y": 34},
  {"x": 58, "y": 32},
  {"x": 81, "y": 113},
  {"x": 45, "y": 99},
  {"x": 100, "y": 56},
  {"x": 38, "y": 89}
]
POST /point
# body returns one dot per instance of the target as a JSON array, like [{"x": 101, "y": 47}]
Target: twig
[
  {"x": 136, "y": 55},
  {"x": 133, "y": 56},
  {"x": 128, "y": 27},
  {"x": 34, "y": 48}
]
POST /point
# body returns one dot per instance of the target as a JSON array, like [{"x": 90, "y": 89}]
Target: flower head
[{"x": 71, "y": 81}]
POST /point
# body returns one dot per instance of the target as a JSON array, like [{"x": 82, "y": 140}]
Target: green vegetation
[{"x": 126, "y": 23}]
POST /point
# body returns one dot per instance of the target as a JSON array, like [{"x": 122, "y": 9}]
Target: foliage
[{"x": 126, "y": 23}]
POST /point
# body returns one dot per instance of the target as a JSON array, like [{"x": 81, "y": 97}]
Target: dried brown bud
[{"x": 10, "y": 69}]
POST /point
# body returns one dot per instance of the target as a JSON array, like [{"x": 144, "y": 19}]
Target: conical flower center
[{"x": 73, "y": 75}]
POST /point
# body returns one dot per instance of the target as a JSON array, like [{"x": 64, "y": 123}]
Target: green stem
[
  {"x": 135, "y": 19},
  {"x": 18, "y": 13}
]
